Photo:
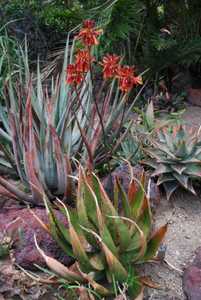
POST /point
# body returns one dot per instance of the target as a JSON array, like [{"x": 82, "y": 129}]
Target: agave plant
[
  {"x": 176, "y": 155},
  {"x": 107, "y": 239},
  {"x": 43, "y": 128}
]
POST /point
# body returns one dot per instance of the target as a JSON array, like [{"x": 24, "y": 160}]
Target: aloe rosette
[{"x": 107, "y": 239}]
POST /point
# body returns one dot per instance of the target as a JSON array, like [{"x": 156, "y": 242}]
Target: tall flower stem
[
  {"x": 96, "y": 104},
  {"x": 98, "y": 113},
  {"x": 80, "y": 103}
]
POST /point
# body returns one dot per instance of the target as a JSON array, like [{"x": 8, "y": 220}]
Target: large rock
[
  {"x": 192, "y": 278},
  {"x": 21, "y": 225}
]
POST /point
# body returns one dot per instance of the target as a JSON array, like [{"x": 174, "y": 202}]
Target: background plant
[
  {"x": 175, "y": 156},
  {"x": 144, "y": 126},
  {"x": 10, "y": 59},
  {"x": 154, "y": 34}
]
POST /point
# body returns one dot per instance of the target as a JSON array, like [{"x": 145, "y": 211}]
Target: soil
[
  {"x": 192, "y": 116},
  {"x": 183, "y": 238}
]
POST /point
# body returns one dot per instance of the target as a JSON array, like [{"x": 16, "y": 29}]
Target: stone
[
  {"x": 21, "y": 225},
  {"x": 192, "y": 278},
  {"x": 123, "y": 173},
  {"x": 194, "y": 96}
]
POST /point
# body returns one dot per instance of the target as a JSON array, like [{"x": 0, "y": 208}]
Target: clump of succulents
[
  {"x": 45, "y": 127},
  {"x": 108, "y": 239},
  {"x": 175, "y": 155}
]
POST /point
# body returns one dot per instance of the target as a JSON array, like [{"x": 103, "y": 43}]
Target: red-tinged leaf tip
[
  {"x": 160, "y": 233},
  {"x": 132, "y": 191},
  {"x": 155, "y": 242}
]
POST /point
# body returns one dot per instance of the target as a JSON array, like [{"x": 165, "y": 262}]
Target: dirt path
[
  {"x": 182, "y": 239},
  {"x": 192, "y": 116}
]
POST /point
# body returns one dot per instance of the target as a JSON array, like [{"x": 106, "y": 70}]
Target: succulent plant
[
  {"x": 108, "y": 239},
  {"x": 40, "y": 134},
  {"x": 44, "y": 128},
  {"x": 176, "y": 158}
]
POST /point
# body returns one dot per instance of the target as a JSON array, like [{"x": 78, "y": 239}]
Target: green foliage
[
  {"x": 175, "y": 156},
  {"x": 55, "y": 14},
  {"x": 9, "y": 58},
  {"x": 123, "y": 21},
  {"x": 106, "y": 239},
  {"x": 154, "y": 34},
  {"x": 130, "y": 148},
  {"x": 60, "y": 17},
  {"x": 138, "y": 137},
  {"x": 177, "y": 40}
]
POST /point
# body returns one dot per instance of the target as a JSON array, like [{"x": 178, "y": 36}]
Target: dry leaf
[{"x": 148, "y": 282}]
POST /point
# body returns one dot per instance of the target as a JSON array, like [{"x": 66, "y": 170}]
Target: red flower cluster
[
  {"x": 83, "y": 59},
  {"x": 127, "y": 79},
  {"x": 77, "y": 71},
  {"x": 110, "y": 65},
  {"x": 74, "y": 76},
  {"x": 111, "y": 62},
  {"x": 88, "y": 34},
  {"x": 125, "y": 74}
]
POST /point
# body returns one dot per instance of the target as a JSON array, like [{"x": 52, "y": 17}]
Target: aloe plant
[
  {"x": 175, "y": 156},
  {"x": 45, "y": 127},
  {"x": 39, "y": 132},
  {"x": 107, "y": 239}
]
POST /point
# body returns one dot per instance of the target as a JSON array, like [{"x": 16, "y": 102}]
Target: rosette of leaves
[
  {"x": 175, "y": 156},
  {"x": 39, "y": 133},
  {"x": 107, "y": 239}
]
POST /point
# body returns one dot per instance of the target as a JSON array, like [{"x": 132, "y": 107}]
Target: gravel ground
[
  {"x": 192, "y": 116},
  {"x": 183, "y": 214}
]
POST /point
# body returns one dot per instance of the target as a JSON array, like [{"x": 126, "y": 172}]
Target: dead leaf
[{"x": 149, "y": 282}]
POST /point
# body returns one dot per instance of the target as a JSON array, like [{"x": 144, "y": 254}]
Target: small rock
[
  {"x": 192, "y": 278},
  {"x": 22, "y": 232},
  {"x": 123, "y": 174},
  {"x": 194, "y": 96}
]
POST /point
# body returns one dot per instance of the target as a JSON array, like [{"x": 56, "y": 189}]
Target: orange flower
[
  {"x": 110, "y": 65},
  {"x": 83, "y": 60},
  {"x": 88, "y": 34},
  {"x": 127, "y": 79},
  {"x": 74, "y": 76},
  {"x": 137, "y": 80}
]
